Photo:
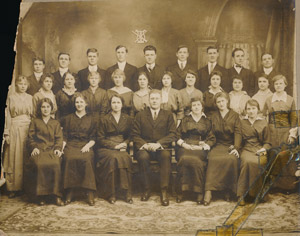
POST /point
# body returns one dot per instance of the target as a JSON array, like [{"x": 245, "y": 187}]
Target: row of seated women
[{"x": 199, "y": 169}]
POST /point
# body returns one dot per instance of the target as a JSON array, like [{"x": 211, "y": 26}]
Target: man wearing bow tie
[
  {"x": 180, "y": 68},
  {"x": 154, "y": 72},
  {"x": 247, "y": 75},
  {"x": 203, "y": 73},
  {"x": 92, "y": 57},
  {"x": 129, "y": 70},
  {"x": 154, "y": 131},
  {"x": 267, "y": 63},
  {"x": 34, "y": 79},
  {"x": 64, "y": 60}
]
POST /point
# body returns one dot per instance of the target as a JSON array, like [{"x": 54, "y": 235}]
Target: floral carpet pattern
[{"x": 280, "y": 214}]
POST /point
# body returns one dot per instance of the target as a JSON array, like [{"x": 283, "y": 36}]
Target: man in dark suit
[
  {"x": 203, "y": 81},
  {"x": 267, "y": 62},
  {"x": 247, "y": 75},
  {"x": 153, "y": 131},
  {"x": 92, "y": 57},
  {"x": 154, "y": 72},
  {"x": 34, "y": 79},
  {"x": 64, "y": 60},
  {"x": 180, "y": 68},
  {"x": 129, "y": 70}
]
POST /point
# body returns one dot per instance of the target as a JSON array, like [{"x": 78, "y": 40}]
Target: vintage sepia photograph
[{"x": 151, "y": 117}]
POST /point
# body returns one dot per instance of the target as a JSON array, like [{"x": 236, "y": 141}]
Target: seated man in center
[{"x": 153, "y": 131}]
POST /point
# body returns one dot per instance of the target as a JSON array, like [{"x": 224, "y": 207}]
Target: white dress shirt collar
[
  {"x": 62, "y": 71},
  {"x": 151, "y": 66},
  {"x": 181, "y": 63},
  {"x": 211, "y": 65},
  {"x": 121, "y": 65},
  {"x": 38, "y": 75},
  {"x": 283, "y": 97},
  {"x": 238, "y": 68},
  {"x": 152, "y": 112},
  {"x": 93, "y": 68},
  {"x": 268, "y": 71},
  {"x": 195, "y": 119}
]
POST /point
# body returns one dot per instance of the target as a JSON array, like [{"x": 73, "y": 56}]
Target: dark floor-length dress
[
  {"x": 192, "y": 163},
  {"x": 113, "y": 166},
  {"x": 44, "y": 170},
  {"x": 78, "y": 167},
  {"x": 255, "y": 136},
  {"x": 223, "y": 168}
]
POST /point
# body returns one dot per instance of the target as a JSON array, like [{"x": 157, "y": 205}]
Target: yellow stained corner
[{"x": 228, "y": 231}]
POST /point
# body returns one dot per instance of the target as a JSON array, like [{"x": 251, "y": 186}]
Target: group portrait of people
[{"x": 67, "y": 132}]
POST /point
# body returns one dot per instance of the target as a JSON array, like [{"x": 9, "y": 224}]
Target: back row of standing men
[{"x": 155, "y": 72}]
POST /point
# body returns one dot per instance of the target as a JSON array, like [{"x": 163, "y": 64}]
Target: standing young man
[
  {"x": 154, "y": 72},
  {"x": 247, "y": 75},
  {"x": 93, "y": 58},
  {"x": 34, "y": 79},
  {"x": 212, "y": 65},
  {"x": 180, "y": 68}
]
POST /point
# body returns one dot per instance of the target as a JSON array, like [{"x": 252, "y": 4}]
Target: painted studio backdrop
[{"x": 256, "y": 26}]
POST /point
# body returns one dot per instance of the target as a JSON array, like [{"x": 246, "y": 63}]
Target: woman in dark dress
[
  {"x": 44, "y": 165},
  {"x": 118, "y": 77},
  {"x": 255, "y": 132},
  {"x": 209, "y": 96},
  {"x": 113, "y": 162},
  {"x": 195, "y": 142},
  {"x": 79, "y": 136},
  {"x": 223, "y": 164},
  {"x": 64, "y": 96},
  {"x": 96, "y": 96}
]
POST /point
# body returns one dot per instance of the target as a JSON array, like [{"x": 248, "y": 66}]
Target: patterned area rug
[{"x": 280, "y": 214}]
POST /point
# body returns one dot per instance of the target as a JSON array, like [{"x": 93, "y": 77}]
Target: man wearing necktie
[
  {"x": 92, "y": 58},
  {"x": 180, "y": 68},
  {"x": 212, "y": 65},
  {"x": 154, "y": 131},
  {"x": 34, "y": 79},
  {"x": 247, "y": 75},
  {"x": 154, "y": 71}
]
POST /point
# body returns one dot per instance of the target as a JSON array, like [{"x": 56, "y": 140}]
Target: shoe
[
  {"x": 128, "y": 198},
  {"x": 59, "y": 202},
  {"x": 145, "y": 196},
  {"x": 207, "y": 198},
  {"x": 179, "y": 198},
  {"x": 91, "y": 202},
  {"x": 90, "y": 198},
  {"x": 199, "y": 200},
  {"x": 164, "y": 198},
  {"x": 112, "y": 200},
  {"x": 69, "y": 197},
  {"x": 12, "y": 195},
  {"x": 206, "y": 203},
  {"x": 227, "y": 197},
  {"x": 41, "y": 201},
  {"x": 242, "y": 202}
]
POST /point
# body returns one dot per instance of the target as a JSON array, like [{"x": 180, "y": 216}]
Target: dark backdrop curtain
[{"x": 280, "y": 40}]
